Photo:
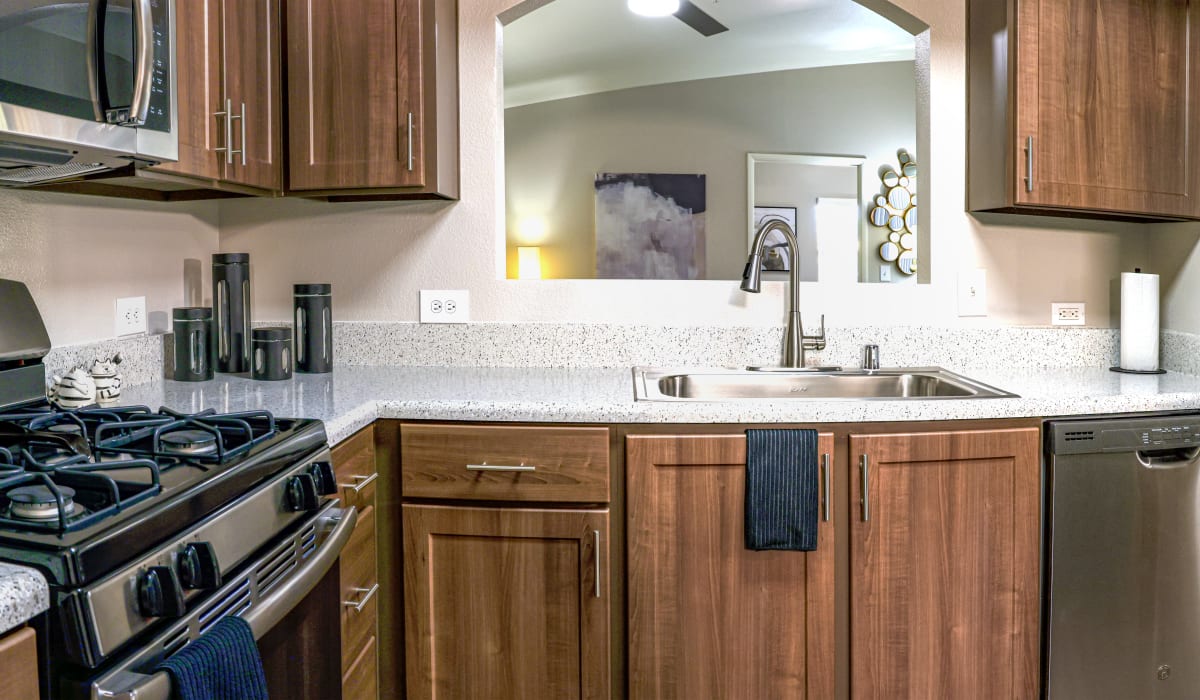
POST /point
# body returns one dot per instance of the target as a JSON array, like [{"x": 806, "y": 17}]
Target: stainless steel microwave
[{"x": 85, "y": 86}]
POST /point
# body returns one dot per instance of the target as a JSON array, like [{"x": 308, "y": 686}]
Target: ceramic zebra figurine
[
  {"x": 75, "y": 390},
  {"x": 108, "y": 380}
]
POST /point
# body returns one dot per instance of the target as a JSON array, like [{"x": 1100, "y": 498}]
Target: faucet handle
[
  {"x": 813, "y": 342},
  {"x": 871, "y": 356}
]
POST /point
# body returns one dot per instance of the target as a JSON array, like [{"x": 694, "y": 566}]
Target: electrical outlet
[
  {"x": 972, "y": 292},
  {"x": 445, "y": 306},
  {"x": 1067, "y": 313},
  {"x": 131, "y": 316}
]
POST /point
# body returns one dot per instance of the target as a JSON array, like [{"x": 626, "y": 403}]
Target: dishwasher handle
[{"x": 1169, "y": 458}]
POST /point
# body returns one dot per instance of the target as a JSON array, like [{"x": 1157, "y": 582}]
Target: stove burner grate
[{"x": 71, "y": 497}]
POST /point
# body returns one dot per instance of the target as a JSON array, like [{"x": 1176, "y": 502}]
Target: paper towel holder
[{"x": 1122, "y": 370}]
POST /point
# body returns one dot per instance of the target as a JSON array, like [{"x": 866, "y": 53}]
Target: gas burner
[
  {"x": 65, "y": 429},
  {"x": 189, "y": 443},
  {"x": 38, "y": 503}
]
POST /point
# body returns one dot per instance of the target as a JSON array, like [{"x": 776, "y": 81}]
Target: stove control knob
[
  {"x": 198, "y": 567},
  {"x": 322, "y": 472},
  {"x": 159, "y": 593},
  {"x": 302, "y": 493}
]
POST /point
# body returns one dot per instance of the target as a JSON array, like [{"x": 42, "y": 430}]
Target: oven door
[
  {"x": 289, "y": 595},
  {"x": 86, "y": 80}
]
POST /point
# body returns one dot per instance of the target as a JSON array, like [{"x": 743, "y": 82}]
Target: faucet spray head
[{"x": 752, "y": 275}]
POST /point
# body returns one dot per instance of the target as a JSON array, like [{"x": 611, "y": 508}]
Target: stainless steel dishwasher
[{"x": 1122, "y": 577}]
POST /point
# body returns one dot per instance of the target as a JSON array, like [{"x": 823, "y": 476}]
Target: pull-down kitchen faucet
[{"x": 795, "y": 342}]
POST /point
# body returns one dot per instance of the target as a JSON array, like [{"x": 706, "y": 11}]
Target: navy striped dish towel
[
  {"x": 223, "y": 664},
  {"x": 781, "y": 489}
]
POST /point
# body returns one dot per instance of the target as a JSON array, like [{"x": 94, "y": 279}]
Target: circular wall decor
[
  {"x": 889, "y": 252},
  {"x": 895, "y": 212}
]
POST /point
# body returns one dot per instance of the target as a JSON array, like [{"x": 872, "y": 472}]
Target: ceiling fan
[{"x": 685, "y": 10}]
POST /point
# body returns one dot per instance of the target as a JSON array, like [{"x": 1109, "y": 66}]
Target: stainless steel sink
[{"x": 653, "y": 384}]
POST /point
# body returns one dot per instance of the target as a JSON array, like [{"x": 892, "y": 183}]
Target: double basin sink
[{"x": 651, "y": 384}]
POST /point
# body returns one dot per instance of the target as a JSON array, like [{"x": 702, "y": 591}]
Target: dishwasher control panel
[{"x": 1123, "y": 434}]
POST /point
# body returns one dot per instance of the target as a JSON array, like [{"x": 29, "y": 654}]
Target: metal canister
[
  {"x": 231, "y": 308},
  {"x": 313, "y": 327},
  {"x": 272, "y": 353},
  {"x": 194, "y": 348}
]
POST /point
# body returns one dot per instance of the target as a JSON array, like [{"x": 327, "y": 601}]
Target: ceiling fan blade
[{"x": 698, "y": 19}]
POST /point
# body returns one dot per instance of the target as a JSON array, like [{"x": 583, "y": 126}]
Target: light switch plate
[
  {"x": 972, "y": 292},
  {"x": 445, "y": 306},
  {"x": 131, "y": 316}
]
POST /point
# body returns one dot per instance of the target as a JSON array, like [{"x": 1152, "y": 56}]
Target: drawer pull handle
[
  {"x": 596, "y": 545},
  {"x": 485, "y": 467},
  {"x": 368, "y": 594},
  {"x": 360, "y": 483},
  {"x": 825, "y": 480}
]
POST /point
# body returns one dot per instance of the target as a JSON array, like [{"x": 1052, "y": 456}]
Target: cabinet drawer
[
  {"x": 505, "y": 463},
  {"x": 359, "y": 581},
  {"x": 361, "y": 681},
  {"x": 354, "y": 463}
]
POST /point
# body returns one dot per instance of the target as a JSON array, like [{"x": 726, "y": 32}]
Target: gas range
[
  {"x": 152, "y": 525},
  {"x": 78, "y": 486}
]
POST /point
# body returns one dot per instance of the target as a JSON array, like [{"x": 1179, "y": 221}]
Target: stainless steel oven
[{"x": 85, "y": 86}]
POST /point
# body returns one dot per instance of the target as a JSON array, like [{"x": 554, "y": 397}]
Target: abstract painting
[{"x": 650, "y": 226}]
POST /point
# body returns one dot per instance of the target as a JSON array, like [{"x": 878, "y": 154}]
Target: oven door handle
[{"x": 262, "y": 617}]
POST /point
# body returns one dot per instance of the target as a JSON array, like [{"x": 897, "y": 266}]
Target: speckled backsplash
[
  {"x": 612, "y": 345},
  {"x": 141, "y": 357}
]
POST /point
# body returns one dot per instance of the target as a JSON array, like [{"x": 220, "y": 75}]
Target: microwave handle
[
  {"x": 95, "y": 55},
  {"x": 143, "y": 24}
]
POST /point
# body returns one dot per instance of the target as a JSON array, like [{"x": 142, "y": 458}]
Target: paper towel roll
[{"x": 1139, "y": 321}]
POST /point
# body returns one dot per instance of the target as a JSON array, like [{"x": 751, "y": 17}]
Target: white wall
[
  {"x": 378, "y": 256},
  {"x": 1175, "y": 255},
  {"x": 78, "y": 254}
]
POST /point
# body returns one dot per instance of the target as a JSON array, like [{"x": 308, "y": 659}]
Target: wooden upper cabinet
[
  {"x": 944, "y": 565},
  {"x": 253, "y": 93},
  {"x": 367, "y": 97},
  {"x": 1087, "y": 108},
  {"x": 199, "y": 95},
  {"x": 229, "y": 95},
  {"x": 707, "y": 617}
]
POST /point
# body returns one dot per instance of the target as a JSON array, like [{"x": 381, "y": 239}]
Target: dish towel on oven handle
[
  {"x": 781, "y": 489},
  {"x": 223, "y": 664}
]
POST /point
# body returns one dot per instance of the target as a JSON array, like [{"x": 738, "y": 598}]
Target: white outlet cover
[
  {"x": 445, "y": 306},
  {"x": 130, "y": 316},
  {"x": 1068, "y": 313},
  {"x": 972, "y": 292}
]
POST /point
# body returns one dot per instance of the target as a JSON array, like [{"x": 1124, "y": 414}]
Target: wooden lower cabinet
[
  {"x": 506, "y": 603},
  {"x": 18, "y": 659},
  {"x": 708, "y": 618},
  {"x": 944, "y": 565},
  {"x": 361, "y": 589}
]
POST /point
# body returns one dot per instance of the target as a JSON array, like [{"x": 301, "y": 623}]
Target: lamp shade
[{"x": 529, "y": 262}]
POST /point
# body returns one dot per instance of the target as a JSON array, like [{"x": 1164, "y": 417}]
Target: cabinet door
[
  {"x": 355, "y": 94},
  {"x": 198, "y": 90},
  {"x": 506, "y": 603},
  {"x": 944, "y": 565},
  {"x": 707, "y": 617},
  {"x": 18, "y": 658},
  {"x": 1107, "y": 91},
  {"x": 252, "y": 92}
]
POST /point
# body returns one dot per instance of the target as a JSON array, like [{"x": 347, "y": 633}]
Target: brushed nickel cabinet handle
[
  {"x": 227, "y": 149},
  {"x": 825, "y": 478},
  {"x": 864, "y": 463},
  {"x": 360, "y": 483},
  {"x": 367, "y": 595},
  {"x": 1029, "y": 164},
  {"x": 243, "y": 118},
  {"x": 410, "y": 142},
  {"x": 596, "y": 542},
  {"x": 485, "y": 467}
]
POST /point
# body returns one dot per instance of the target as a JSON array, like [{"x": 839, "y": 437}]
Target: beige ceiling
[{"x": 578, "y": 47}]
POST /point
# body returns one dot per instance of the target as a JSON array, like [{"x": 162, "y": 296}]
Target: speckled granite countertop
[
  {"x": 352, "y": 397},
  {"x": 23, "y": 594}
]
